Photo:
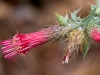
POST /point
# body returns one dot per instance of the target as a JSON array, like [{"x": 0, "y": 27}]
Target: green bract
[{"x": 74, "y": 22}]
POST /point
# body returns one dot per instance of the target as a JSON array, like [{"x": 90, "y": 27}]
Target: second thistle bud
[{"x": 95, "y": 34}]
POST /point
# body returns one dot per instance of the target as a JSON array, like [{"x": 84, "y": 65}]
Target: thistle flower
[
  {"x": 95, "y": 34},
  {"x": 75, "y": 40},
  {"x": 22, "y": 43}
]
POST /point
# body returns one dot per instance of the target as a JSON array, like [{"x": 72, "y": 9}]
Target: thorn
[
  {"x": 66, "y": 11},
  {"x": 89, "y": 11},
  {"x": 89, "y": 3},
  {"x": 69, "y": 11},
  {"x": 80, "y": 7}
]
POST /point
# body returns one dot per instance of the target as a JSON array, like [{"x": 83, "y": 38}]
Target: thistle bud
[{"x": 95, "y": 34}]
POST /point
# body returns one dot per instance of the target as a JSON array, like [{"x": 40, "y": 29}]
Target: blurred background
[{"x": 27, "y": 16}]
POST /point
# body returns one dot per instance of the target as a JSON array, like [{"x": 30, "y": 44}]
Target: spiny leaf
[
  {"x": 88, "y": 18},
  {"x": 97, "y": 20},
  {"x": 74, "y": 14},
  {"x": 86, "y": 47},
  {"x": 92, "y": 6},
  {"x": 62, "y": 20},
  {"x": 85, "y": 50}
]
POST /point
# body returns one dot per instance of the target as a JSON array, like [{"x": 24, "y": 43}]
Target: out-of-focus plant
[{"x": 79, "y": 32}]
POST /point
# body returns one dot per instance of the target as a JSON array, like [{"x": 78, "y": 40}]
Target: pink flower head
[
  {"x": 95, "y": 34},
  {"x": 23, "y": 43}
]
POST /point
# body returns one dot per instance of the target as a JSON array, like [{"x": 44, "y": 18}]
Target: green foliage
[
  {"x": 93, "y": 19},
  {"x": 75, "y": 21},
  {"x": 97, "y": 12},
  {"x": 85, "y": 50},
  {"x": 92, "y": 6},
  {"x": 61, "y": 20},
  {"x": 74, "y": 17},
  {"x": 88, "y": 18}
]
